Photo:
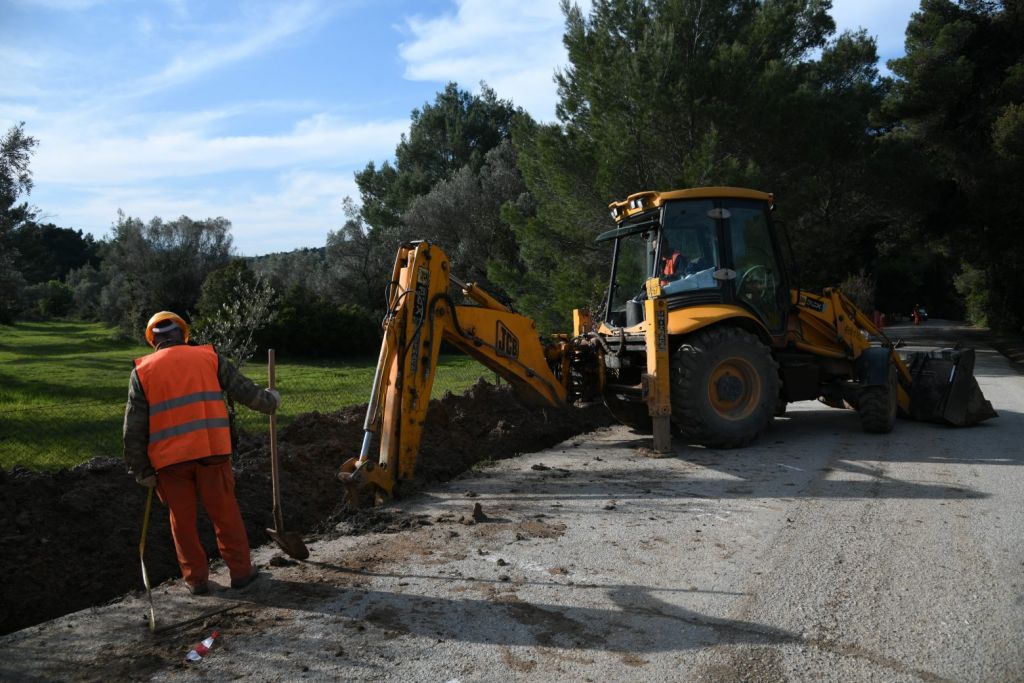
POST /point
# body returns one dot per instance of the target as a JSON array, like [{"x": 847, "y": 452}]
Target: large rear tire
[
  {"x": 877, "y": 406},
  {"x": 725, "y": 387}
]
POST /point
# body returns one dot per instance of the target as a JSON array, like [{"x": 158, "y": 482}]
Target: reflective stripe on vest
[{"x": 187, "y": 416}]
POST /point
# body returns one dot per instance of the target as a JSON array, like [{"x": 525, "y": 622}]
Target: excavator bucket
[
  {"x": 944, "y": 388},
  {"x": 364, "y": 484}
]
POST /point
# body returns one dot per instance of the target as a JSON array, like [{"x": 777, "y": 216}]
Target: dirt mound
[{"x": 69, "y": 540}]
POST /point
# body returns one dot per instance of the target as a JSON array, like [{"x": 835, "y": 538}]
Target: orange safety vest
[
  {"x": 187, "y": 416},
  {"x": 673, "y": 264}
]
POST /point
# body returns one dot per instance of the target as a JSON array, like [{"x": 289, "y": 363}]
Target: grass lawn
[{"x": 63, "y": 387}]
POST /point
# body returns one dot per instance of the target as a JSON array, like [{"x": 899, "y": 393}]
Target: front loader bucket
[{"x": 944, "y": 388}]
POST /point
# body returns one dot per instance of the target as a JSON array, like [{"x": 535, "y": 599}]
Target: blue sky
[{"x": 262, "y": 111}]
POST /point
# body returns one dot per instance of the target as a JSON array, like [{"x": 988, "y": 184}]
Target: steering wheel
[{"x": 763, "y": 277}]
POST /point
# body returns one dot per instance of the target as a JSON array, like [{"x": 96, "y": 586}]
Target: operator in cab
[{"x": 681, "y": 271}]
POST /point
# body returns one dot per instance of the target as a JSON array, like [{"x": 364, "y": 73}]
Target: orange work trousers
[{"x": 180, "y": 486}]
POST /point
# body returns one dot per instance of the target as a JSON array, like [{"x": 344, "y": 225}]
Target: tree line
[{"x": 901, "y": 188}]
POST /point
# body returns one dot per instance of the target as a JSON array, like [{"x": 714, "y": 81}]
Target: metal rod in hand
[{"x": 142, "y": 560}]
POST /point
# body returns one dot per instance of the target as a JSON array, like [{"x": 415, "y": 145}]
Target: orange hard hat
[{"x": 164, "y": 316}]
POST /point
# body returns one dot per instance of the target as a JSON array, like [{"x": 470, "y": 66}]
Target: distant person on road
[{"x": 177, "y": 438}]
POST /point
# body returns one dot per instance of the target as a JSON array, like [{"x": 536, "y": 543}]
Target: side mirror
[{"x": 724, "y": 274}]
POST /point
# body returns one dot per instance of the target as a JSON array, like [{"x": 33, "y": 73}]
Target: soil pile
[{"x": 69, "y": 539}]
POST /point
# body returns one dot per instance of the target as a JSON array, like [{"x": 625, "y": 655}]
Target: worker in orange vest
[
  {"x": 673, "y": 263},
  {"x": 177, "y": 438}
]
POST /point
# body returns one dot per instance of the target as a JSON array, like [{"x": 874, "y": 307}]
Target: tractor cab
[{"x": 705, "y": 246}]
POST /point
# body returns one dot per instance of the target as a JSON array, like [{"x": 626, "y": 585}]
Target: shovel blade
[{"x": 290, "y": 542}]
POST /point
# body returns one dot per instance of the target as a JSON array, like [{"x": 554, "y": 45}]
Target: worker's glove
[
  {"x": 277, "y": 398},
  {"x": 149, "y": 482}
]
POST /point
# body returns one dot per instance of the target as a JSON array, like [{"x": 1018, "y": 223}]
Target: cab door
[{"x": 760, "y": 283}]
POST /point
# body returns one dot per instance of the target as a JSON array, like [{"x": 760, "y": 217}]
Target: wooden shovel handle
[
  {"x": 271, "y": 382},
  {"x": 271, "y": 369}
]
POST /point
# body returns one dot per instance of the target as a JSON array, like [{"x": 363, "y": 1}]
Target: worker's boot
[
  {"x": 246, "y": 580},
  {"x": 199, "y": 588}
]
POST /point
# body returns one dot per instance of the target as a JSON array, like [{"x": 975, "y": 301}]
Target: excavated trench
[{"x": 69, "y": 540}]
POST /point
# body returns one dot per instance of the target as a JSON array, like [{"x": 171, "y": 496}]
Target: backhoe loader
[{"x": 700, "y": 334}]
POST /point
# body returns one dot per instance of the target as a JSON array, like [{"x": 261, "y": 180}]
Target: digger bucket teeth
[
  {"x": 365, "y": 483},
  {"x": 944, "y": 388}
]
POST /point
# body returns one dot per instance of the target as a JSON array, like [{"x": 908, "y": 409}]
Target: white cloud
[
  {"x": 20, "y": 60},
  {"x": 513, "y": 45},
  {"x": 72, "y": 155},
  {"x": 297, "y": 211},
  {"x": 307, "y": 188},
  {"x": 71, "y": 76},
  {"x": 10, "y": 114},
  {"x": 261, "y": 34},
  {"x": 176, "y": 166},
  {"x": 25, "y": 72}
]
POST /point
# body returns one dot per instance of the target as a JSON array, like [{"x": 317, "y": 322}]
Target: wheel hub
[
  {"x": 729, "y": 388},
  {"x": 734, "y": 388}
]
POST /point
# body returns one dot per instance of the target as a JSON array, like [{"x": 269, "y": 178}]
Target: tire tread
[
  {"x": 686, "y": 370},
  {"x": 875, "y": 406}
]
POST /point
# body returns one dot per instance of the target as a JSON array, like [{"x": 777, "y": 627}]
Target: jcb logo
[
  {"x": 419, "y": 311},
  {"x": 507, "y": 343},
  {"x": 813, "y": 304}
]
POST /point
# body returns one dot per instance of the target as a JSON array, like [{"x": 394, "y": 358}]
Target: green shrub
[
  {"x": 56, "y": 299},
  {"x": 309, "y": 325},
  {"x": 972, "y": 284}
]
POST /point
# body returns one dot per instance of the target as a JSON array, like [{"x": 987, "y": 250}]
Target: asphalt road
[{"x": 820, "y": 553}]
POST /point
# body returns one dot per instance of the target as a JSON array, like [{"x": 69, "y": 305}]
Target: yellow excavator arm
[
  {"x": 421, "y": 313},
  {"x": 831, "y": 325}
]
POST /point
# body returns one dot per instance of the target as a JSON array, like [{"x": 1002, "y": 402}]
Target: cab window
[
  {"x": 636, "y": 259},
  {"x": 688, "y": 253}
]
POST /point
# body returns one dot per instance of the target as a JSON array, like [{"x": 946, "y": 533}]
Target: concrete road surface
[{"x": 819, "y": 554}]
